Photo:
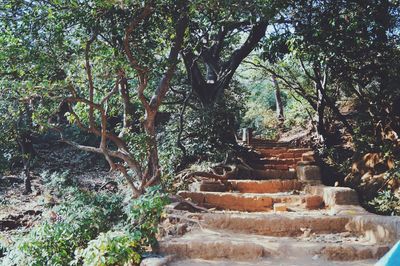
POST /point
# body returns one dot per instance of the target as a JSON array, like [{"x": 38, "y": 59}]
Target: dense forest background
[{"x": 106, "y": 107}]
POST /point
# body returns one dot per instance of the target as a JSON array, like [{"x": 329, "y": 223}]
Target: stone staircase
[{"x": 284, "y": 218}]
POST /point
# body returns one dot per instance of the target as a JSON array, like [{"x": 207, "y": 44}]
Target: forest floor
[{"x": 19, "y": 212}]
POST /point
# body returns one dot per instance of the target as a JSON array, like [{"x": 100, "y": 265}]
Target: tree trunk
[
  {"x": 279, "y": 104},
  {"x": 24, "y": 139},
  {"x": 321, "y": 130},
  {"x": 153, "y": 168},
  {"x": 27, "y": 152}
]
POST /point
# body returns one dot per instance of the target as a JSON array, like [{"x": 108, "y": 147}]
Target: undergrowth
[{"x": 90, "y": 228}]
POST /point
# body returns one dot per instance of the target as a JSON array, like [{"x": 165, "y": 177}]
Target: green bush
[
  {"x": 386, "y": 203},
  {"x": 71, "y": 226},
  {"x": 144, "y": 215},
  {"x": 111, "y": 248},
  {"x": 92, "y": 229},
  {"x": 57, "y": 181}
]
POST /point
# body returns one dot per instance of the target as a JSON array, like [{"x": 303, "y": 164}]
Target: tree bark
[
  {"x": 321, "y": 130},
  {"x": 25, "y": 143},
  {"x": 279, "y": 104},
  {"x": 218, "y": 74}
]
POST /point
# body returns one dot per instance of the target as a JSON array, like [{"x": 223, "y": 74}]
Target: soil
[{"x": 19, "y": 212}]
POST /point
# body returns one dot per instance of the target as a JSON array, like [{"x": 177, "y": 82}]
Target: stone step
[
  {"x": 271, "y": 151},
  {"x": 265, "y": 186},
  {"x": 207, "y": 244},
  {"x": 283, "y": 167},
  {"x": 251, "y": 202},
  {"x": 276, "y": 224},
  {"x": 278, "y": 167},
  {"x": 258, "y": 174},
  {"x": 288, "y": 155},
  {"x": 275, "y": 163},
  {"x": 283, "y": 152},
  {"x": 282, "y": 261},
  {"x": 282, "y": 161},
  {"x": 267, "y": 143}
]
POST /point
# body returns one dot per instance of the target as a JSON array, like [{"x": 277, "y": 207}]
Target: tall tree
[
  {"x": 103, "y": 50},
  {"x": 358, "y": 43},
  {"x": 223, "y": 34}
]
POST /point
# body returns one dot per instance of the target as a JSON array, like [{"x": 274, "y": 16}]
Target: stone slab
[
  {"x": 308, "y": 172},
  {"x": 266, "y": 186},
  {"x": 335, "y": 195}
]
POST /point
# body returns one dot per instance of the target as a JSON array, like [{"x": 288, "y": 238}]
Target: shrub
[
  {"x": 57, "y": 181},
  {"x": 72, "y": 225},
  {"x": 125, "y": 246},
  {"x": 144, "y": 215},
  {"x": 386, "y": 203},
  {"x": 111, "y": 248}
]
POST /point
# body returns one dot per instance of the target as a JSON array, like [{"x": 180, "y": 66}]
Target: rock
[
  {"x": 314, "y": 202},
  {"x": 306, "y": 232},
  {"x": 308, "y": 172},
  {"x": 209, "y": 185},
  {"x": 230, "y": 201},
  {"x": 308, "y": 156},
  {"x": 280, "y": 207},
  {"x": 265, "y": 186},
  {"x": 344, "y": 252},
  {"x": 156, "y": 261},
  {"x": 185, "y": 206},
  {"x": 335, "y": 195},
  {"x": 181, "y": 229}
]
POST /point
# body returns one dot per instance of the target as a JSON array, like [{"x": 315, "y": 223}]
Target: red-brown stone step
[
  {"x": 230, "y": 201},
  {"x": 278, "y": 166},
  {"x": 286, "y": 155},
  {"x": 249, "y": 202},
  {"x": 275, "y": 224},
  {"x": 268, "y": 174},
  {"x": 266, "y": 186},
  {"x": 218, "y": 245},
  {"x": 280, "y": 161}
]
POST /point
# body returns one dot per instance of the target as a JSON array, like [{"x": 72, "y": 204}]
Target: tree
[
  {"x": 150, "y": 172},
  {"x": 119, "y": 44},
  {"x": 358, "y": 44},
  {"x": 216, "y": 51}
]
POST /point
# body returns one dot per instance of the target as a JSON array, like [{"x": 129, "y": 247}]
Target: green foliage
[
  {"x": 57, "y": 182},
  {"x": 91, "y": 229},
  {"x": 144, "y": 215},
  {"x": 139, "y": 145},
  {"x": 81, "y": 217},
  {"x": 111, "y": 248},
  {"x": 386, "y": 203},
  {"x": 207, "y": 134},
  {"x": 260, "y": 113}
]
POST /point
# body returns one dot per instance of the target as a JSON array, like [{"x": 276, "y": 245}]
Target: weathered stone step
[
  {"x": 286, "y": 261},
  {"x": 277, "y": 167},
  {"x": 274, "y": 160},
  {"x": 266, "y": 186},
  {"x": 261, "y": 163},
  {"x": 250, "y": 202},
  {"x": 267, "y": 143},
  {"x": 283, "y": 152},
  {"x": 267, "y": 174},
  {"x": 275, "y": 224},
  {"x": 207, "y": 244},
  {"x": 281, "y": 161}
]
